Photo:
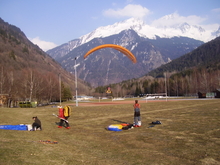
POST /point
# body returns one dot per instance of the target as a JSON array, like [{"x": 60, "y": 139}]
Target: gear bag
[{"x": 66, "y": 111}]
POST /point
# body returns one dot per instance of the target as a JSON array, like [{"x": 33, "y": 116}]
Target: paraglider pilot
[
  {"x": 137, "y": 114},
  {"x": 64, "y": 114}
]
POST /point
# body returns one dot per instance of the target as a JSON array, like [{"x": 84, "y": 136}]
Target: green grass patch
[{"x": 189, "y": 134}]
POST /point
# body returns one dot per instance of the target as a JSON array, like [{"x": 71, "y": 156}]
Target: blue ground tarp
[{"x": 14, "y": 127}]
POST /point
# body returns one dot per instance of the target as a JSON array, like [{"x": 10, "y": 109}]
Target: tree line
[
  {"x": 32, "y": 85},
  {"x": 185, "y": 83}
]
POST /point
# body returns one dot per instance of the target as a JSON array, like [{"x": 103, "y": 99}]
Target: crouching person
[{"x": 36, "y": 125}]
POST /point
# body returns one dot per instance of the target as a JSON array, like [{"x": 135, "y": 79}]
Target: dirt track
[{"x": 118, "y": 102}]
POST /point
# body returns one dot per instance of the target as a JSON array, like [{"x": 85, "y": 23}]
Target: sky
[{"x": 50, "y": 23}]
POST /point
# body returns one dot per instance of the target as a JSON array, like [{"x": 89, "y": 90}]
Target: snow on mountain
[
  {"x": 166, "y": 27},
  {"x": 149, "y": 31},
  {"x": 216, "y": 33},
  {"x": 116, "y": 28}
]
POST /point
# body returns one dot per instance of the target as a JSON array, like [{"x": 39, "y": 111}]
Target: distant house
[
  {"x": 217, "y": 93},
  {"x": 84, "y": 97},
  {"x": 201, "y": 95},
  {"x": 213, "y": 94}
]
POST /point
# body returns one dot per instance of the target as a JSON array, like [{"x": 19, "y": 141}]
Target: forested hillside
[
  {"x": 28, "y": 73},
  {"x": 197, "y": 71},
  {"x": 205, "y": 56}
]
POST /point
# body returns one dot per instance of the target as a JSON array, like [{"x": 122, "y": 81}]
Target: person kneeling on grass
[{"x": 36, "y": 125}]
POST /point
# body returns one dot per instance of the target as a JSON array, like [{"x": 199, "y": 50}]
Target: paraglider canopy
[{"x": 117, "y": 47}]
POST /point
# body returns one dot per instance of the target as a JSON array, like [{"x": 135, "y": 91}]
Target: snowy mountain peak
[
  {"x": 133, "y": 22},
  {"x": 170, "y": 16},
  {"x": 217, "y": 33},
  {"x": 105, "y": 31},
  {"x": 150, "y": 31}
]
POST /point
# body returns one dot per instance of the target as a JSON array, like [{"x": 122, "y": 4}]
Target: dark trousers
[
  {"x": 63, "y": 121},
  {"x": 137, "y": 117},
  {"x": 35, "y": 126}
]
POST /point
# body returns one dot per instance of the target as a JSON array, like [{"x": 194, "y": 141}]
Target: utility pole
[
  {"x": 76, "y": 81},
  {"x": 1, "y": 79},
  {"x": 166, "y": 84},
  {"x": 60, "y": 87}
]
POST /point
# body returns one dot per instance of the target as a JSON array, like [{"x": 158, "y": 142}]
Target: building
[{"x": 217, "y": 93}]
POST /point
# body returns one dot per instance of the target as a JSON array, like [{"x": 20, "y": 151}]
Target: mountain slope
[
  {"x": 206, "y": 56},
  {"x": 143, "y": 30},
  {"x": 108, "y": 66},
  {"x": 153, "y": 45},
  {"x": 195, "y": 72},
  {"x": 26, "y": 71}
]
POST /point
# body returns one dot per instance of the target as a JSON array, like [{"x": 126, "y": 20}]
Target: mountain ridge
[
  {"x": 108, "y": 66},
  {"x": 206, "y": 56},
  {"x": 143, "y": 30}
]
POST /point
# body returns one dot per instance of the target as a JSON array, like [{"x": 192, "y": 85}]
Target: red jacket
[{"x": 137, "y": 106}]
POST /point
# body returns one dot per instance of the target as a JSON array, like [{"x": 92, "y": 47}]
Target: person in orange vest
[
  {"x": 64, "y": 114},
  {"x": 137, "y": 114}
]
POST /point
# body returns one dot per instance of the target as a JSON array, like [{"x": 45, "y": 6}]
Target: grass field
[{"x": 189, "y": 135}]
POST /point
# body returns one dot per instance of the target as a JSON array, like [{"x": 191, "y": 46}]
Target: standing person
[
  {"x": 36, "y": 124},
  {"x": 64, "y": 114},
  {"x": 137, "y": 114}
]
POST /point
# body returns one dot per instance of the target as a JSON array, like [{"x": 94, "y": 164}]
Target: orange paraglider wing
[{"x": 117, "y": 47}]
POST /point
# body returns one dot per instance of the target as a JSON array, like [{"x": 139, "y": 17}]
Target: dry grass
[{"x": 189, "y": 134}]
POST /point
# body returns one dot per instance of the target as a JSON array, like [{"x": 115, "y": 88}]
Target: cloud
[
  {"x": 131, "y": 10},
  {"x": 175, "y": 18},
  {"x": 94, "y": 18},
  {"x": 216, "y": 13},
  {"x": 129, "y": 1},
  {"x": 44, "y": 45},
  {"x": 217, "y": 10}
]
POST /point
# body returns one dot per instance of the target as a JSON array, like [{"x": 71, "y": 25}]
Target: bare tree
[
  {"x": 204, "y": 82},
  {"x": 218, "y": 77},
  {"x": 2, "y": 80},
  {"x": 31, "y": 83},
  {"x": 194, "y": 83},
  {"x": 176, "y": 85},
  {"x": 52, "y": 86}
]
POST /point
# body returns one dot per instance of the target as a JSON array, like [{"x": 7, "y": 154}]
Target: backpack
[
  {"x": 156, "y": 122},
  {"x": 66, "y": 111}
]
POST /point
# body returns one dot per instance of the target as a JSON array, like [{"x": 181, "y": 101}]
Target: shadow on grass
[
  {"x": 121, "y": 121},
  {"x": 58, "y": 123}
]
